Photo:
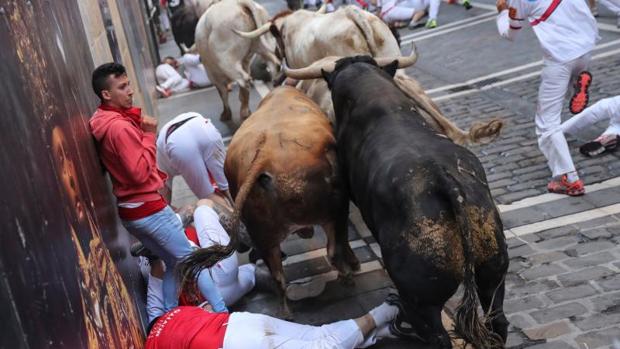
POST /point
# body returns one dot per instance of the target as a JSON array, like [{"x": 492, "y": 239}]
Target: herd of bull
[{"x": 357, "y": 128}]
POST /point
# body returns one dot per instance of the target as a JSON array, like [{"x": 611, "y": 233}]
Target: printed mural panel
[{"x": 59, "y": 282}]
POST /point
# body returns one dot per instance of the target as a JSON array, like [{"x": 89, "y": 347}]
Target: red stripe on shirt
[{"x": 554, "y": 5}]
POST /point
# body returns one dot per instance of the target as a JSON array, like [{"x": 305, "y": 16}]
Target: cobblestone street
[{"x": 563, "y": 286}]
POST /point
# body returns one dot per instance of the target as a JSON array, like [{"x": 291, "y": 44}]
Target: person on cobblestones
[
  {"x": 607, "y": 109},
  {"x": 232, "y": 280},
  {"x": 193, "y": 69},
  {"x": 567, "y": 32},
  {"x": 199, "y": 328},
  {"x": 126, "y": 145},
  {"x": 411, "y": 11},
  {"x": 169, "y": 80},
  {"x": 191, "y": 146}
]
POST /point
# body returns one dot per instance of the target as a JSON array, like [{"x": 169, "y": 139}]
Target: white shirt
[
  {"x": 194, "y": 70},
  {"x": 565, "y": 29},
  {"x": 168, "y": 77}
]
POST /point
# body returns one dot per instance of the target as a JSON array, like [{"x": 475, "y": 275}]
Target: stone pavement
[{"x": 563, "y": 285}]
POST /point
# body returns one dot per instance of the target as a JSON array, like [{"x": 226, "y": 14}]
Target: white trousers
[
  {"x": 258, "y": 331},
  {"x": 607, "y": 109},
  {"x": 555, "y": 79},
  {"x": 233, "y": 281},
  {"x": 163, "y": 19},
  {"x": 612, "y": 5},
  {"x": 403, "y": 11},
  {"x": 194, "y": 150}
]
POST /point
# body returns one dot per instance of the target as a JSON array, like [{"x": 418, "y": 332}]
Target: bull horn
[
  {"x": 255, "y": 33},
  {"x": 403, "y": 62},
  {"x": 322, "y": 9},
  {"x": 312, "y": 71}
]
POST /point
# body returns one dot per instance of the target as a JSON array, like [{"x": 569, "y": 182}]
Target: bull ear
[
  {"x": 391, "y": 68},
  {"x": 328, "y": 78}
]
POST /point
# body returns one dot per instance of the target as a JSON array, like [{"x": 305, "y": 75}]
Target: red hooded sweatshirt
[{"x": 128, "y": 153}]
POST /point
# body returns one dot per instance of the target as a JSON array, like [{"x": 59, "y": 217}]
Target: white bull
[
  {"x": 226, "y": 56},
  {"x": 306, "y": 37}
]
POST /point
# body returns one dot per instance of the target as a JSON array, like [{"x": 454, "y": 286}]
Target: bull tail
[
  {"x": 361, "y": 22},
  {"x": 468, "y": 325},
  {"x": 203, "y": 258},
  {"x": 479, "y": 131},
  {"x": 250, "y": 6}
]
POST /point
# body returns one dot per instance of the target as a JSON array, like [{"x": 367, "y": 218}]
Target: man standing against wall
[{"x": 126, "y": 141}]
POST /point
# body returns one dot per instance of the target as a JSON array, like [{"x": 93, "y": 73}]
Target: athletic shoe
[
  {"x": 164, "y": 93},
  {"x": 600, "y": 145},
  {"x": 580, "y": 99},
  {"x": 137, "y": 249},
  {"x": 563, "y": 187},
  {"x": 467, "y": 5},
  {"x": 431, "y": 23}
]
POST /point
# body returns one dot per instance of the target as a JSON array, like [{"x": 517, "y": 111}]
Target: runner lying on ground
[
  {"x": 607, "y": 109},
  {"x": 198, "y": 327}
]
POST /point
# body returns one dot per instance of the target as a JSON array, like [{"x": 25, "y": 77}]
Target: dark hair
[
  {"x": 102, "y": 73},
  {"x": 168, "y": 57}
]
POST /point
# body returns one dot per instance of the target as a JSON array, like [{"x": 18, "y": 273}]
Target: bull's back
[
  {"x": 215, "y": 40},
  {"x": 296, "y": 134},
  {"x": 398, "y": 177},
  {"x": 338, "y": 35}
]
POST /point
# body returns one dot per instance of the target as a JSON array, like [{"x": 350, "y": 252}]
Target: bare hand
[
  {"x": 501, "y": 5},
  {"x": 149, "y": 124}
]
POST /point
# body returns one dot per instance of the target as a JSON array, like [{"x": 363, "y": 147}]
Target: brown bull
[{"x": 281, "y": 167}]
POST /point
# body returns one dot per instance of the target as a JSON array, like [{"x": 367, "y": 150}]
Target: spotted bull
[
  {"x": 281, "y": 167},
  {"x": 305, "y": 37},
  {"x": 425, "y": 200}
]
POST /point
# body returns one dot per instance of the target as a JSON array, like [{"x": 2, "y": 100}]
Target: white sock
[
  {"x": 383, "y": 314},
  {"x": 572, "y": 177}
]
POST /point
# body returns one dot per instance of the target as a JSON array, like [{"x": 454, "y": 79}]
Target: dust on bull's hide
[
  {"x": 440, "y": 241},
  {"x": 291, "y": 186}
]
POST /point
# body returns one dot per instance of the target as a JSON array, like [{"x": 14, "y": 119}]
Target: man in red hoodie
[{"x": 126, "y": 140}]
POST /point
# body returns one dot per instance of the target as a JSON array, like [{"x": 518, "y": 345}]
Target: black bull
[{"x": 427, "y": 203}]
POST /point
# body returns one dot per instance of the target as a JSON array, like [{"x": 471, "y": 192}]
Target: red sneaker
[
  {"x": 563, "y": 187},
  {"x": 580, "y": 99}
]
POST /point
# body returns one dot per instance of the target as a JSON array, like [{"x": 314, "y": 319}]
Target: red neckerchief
[{"x": 133, "y": 113}]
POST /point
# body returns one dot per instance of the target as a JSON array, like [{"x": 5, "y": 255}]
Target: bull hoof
[
  {"x": 245, "y": 114},
  {"x": 346, "y": 279},
  {"x": 353, "y": 263},
  {"x": 225, "y": 116},
  {"x": 285, "y": 314}
]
